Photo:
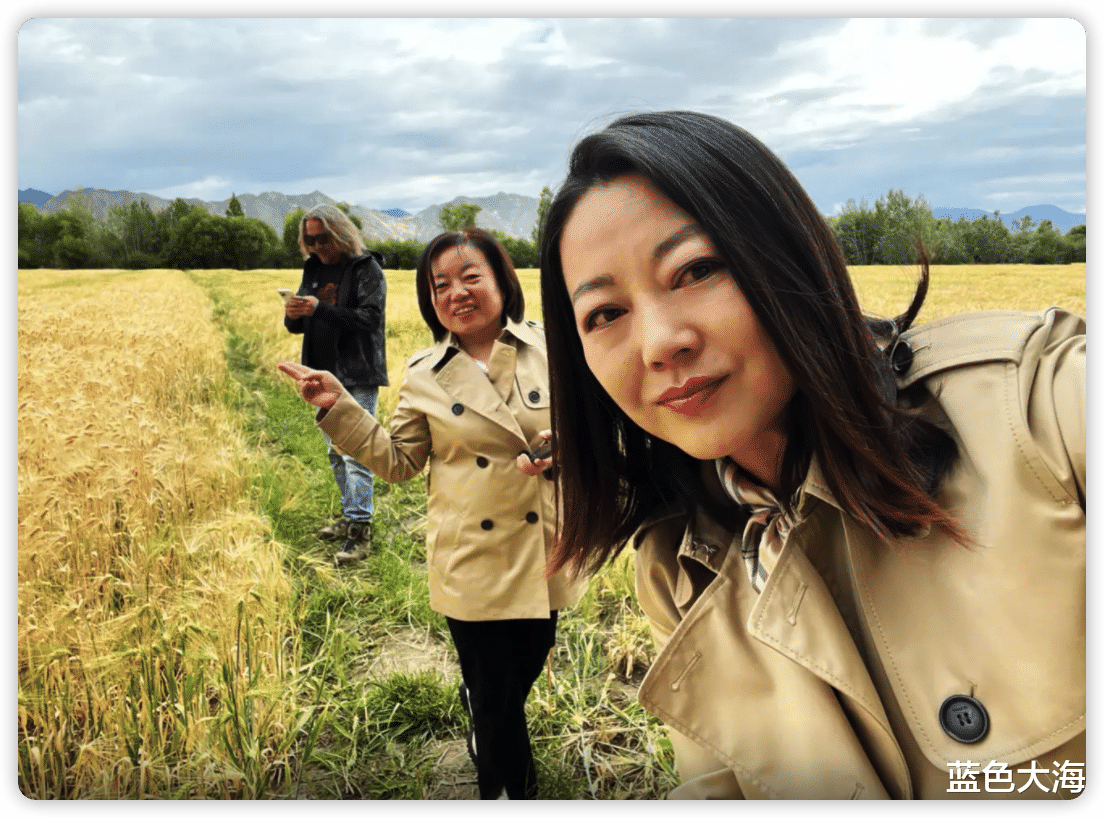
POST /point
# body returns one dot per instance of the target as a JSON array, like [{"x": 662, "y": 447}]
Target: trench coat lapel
[
  {"x": 779, "y": 679},
  {"x": 467, "y": 384}
]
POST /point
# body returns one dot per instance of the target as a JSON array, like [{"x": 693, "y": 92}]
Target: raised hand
[{"x": 315, "y": 386}]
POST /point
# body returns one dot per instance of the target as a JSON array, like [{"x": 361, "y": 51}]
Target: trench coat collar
[
  {"x": 448, "y": 346},
  {"x": 707, "y": 542},
  {"x": 466, "y": 383},
  {"x": 795, "y": 617}
]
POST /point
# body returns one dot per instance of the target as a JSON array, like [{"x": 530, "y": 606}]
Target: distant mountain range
[
  {"x": 1061, "y": 219},
  {"x": 512, "y": 213},
  {"x": 35, "y": 197}
]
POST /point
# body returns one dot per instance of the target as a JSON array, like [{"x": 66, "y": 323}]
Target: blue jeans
[{"x": 354, "y": 480}]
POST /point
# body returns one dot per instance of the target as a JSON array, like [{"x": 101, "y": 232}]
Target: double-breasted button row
[
  {"x": 534, "y": 395},
  {"x": 458, "y": 408},
  {"x": 531, "y": 517}
]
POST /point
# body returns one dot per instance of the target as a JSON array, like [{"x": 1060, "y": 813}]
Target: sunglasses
[{"x": 311, "y": 239}]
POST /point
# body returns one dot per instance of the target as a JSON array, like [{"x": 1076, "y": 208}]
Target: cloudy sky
[{"x": 980, "y": 112}]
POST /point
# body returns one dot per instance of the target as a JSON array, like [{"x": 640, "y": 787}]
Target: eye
[
  {"x": 601, "y": 317},
  {"x": 698, "y": 271}
]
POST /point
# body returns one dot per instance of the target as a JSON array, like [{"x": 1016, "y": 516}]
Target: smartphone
[
  {"x": 285, "y": 293},
  {"x": 542, "y": 451}
]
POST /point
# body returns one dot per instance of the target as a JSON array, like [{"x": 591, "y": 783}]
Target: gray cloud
[{"x": 387, "y": 112}]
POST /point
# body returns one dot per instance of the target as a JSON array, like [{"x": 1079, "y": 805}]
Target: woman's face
[
  {"x": 466, "y": 297},
  {"x": 666, "y": 330}
]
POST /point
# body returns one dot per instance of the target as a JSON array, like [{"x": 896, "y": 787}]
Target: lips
[{"x": 691, "y": 397}]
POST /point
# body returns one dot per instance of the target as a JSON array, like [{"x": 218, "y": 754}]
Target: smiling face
[
  {"x": 666, "y": 330},
  {"x": 466, "y": 296}
]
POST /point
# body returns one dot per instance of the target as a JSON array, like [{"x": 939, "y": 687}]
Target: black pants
[{"x": 500, "y": 660}]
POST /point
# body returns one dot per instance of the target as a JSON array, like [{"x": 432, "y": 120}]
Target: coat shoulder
[
  {"x": 420, "y": 359},
  {"x": 983, "y": 337}
]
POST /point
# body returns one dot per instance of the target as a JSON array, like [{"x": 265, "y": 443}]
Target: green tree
[
  {"x": 1048, "y": 246},
  {"x": 168, "y": 218},
  {"x": 234, "y": 209},
  {"x": 458, "y": 216},
  {"x": 856, "y": 231},
  {"x": 987, "y": 241},
  {"x": 291, "y": 232},
  {"x": 34, "y": 250},
  {"x": 542, "y": 217},
  {"x": 137, "y": 232},
  {"x": 947, "y": 242},
  {"x": 902, "y": 222},
  {"x": 523, "y": 253},
  {"x": 1075, "y": 239},
  {"x": 72, "y": 238},
  {"x": 199, "y": 241},
  {"x": 399, "y": 255},
  {"x": 249, "y": 241}
]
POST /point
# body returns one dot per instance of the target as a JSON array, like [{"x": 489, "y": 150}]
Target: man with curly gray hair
[{"x": 339, "y": 309}]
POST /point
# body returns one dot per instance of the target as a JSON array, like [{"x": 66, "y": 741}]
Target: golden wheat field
[
  {"x": 886, "y": 291},
  {"x": 159, "y": 650},
  {"x": 150, "y": 594}
]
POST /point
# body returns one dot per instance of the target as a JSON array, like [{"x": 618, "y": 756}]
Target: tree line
[
  {"x": 186, "y": 236},
  {"x": 887, "y": 234}
]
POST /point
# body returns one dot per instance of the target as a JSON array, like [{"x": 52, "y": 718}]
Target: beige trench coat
[
  {"x": 490, "y": 526},
  {"x": 769, "y": 695}
]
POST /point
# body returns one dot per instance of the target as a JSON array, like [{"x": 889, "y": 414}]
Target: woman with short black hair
[{"x": 474, "y": 407}]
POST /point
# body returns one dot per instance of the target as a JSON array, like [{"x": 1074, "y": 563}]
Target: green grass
[{"x": 380, "y": 735}]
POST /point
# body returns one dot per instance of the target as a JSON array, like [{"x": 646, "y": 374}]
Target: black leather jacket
[{"x": 355, "y": 320}]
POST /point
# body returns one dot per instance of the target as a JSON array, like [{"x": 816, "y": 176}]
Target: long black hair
[{"x": 881, "y": 462}]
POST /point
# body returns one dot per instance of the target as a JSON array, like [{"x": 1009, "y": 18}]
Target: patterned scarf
[{"x": 767, "y": 526}]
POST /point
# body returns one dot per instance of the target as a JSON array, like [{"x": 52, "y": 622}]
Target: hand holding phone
[
  {"x": 527, "y": 461},
  {"x": 542, "y": 451},
  {"x": 285, "y": 293}
]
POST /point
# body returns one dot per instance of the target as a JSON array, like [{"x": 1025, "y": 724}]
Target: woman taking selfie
[
  {"x": 860, "y": 546},
  {"x": 471, "y": 407}
]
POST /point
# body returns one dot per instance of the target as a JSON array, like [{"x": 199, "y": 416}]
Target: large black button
[
  {"x": 481, "y": 461},
  {"x": 531, "y": 517},
  {"x": 964, "y": 718},
  {"x": 457, "y": 409},
  {"x": 900, "y": 358},
  {"x": 487, "y": 525},
  {"x": 534, "y": 395}
]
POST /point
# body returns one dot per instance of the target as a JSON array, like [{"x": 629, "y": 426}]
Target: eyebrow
[
  {"x": 662, "y": 249},
  {"x": 675, "y": 239},
  {"x": 596, "y": 283}
]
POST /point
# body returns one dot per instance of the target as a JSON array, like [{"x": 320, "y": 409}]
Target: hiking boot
[
  {"x": 358, "y": 539},
  {"x": 337, "y": 530}
]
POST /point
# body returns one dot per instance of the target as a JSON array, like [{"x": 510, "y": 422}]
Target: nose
[
  {"x": 669, "y": 338},
  {"x": 457, "y": 290}
]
